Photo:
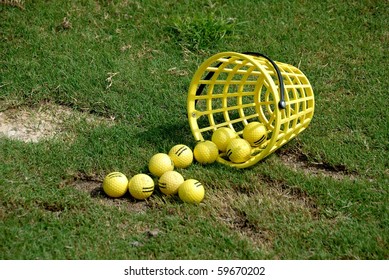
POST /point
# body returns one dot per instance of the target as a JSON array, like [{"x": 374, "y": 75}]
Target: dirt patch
[
  {"x": 28, "y": 125},
  {"x": 298, "y": 161},
  {"x": 51, "y": 207},
  {"x": 224, "y": 206},
  {"x": 93, "y": 187},
  {"x": 32, "y": 124}
]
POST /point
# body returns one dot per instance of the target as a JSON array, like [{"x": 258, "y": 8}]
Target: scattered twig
[
  {"x": 177, "y": 72},
  {"x": 4, "y": 84},
  {"x": 66, "y": 24},
  {"x": 109, "y": 79}
]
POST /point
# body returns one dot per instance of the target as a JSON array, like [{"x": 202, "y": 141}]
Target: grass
[
  {"x": 202, "y": 32},
  {"x": 131, "y": 62}
]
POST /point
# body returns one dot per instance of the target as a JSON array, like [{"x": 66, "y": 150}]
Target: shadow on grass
[{"x": 171, "y": 133}]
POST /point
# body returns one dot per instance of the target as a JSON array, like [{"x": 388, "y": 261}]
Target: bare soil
[{"x": 32, "y": 124}]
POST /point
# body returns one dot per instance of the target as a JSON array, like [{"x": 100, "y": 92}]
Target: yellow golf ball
[
  {"x": 160, "y": 163},
  {"x": 141, "y": 186},
  {"x": 255, "y": 133},
  {"x": 115, "y": 184},
  {"x": 222, "y": 136},
  {"x": 181, "y": 155},
  {"x": 239, "y": 150},
  {"x": 191, "y": 191},
  {"x": 170, "y": 181},
  {"x": 206, "y": 152}
]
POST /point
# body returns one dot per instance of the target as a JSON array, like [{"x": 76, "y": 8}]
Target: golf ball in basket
[
  {"x": 181, "y": 155},
  {"x": 160, "y": 163},
  {"x": 141, "y": 186},
  {"x": 222, "y": 136},
  {"x": 239, "y": 150},
  {"x": 255, "y": 133},
  {"x": 206, "y": 152},
  {"x": 170, "y": 181},
  {"x": 191, "y": 191},
  {"x": 115, "y": 184}
]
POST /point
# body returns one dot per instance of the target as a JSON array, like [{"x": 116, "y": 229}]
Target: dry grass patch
[
  {"x": 294, "y": 198},
  {"x": 13, "y": 3},
  {"x": 47, "y": 120},
  {"x": 254, "y": 213},
  {"x": 226, "y": 206}
]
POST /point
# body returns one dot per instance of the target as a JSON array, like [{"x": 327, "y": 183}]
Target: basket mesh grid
[{"x": 233, "y": 89}]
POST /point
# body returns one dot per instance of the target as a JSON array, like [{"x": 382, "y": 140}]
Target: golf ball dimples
[
  {"x": 141, "y": 186},
  {"x": 255, "y": 133},
  {"x": 206, "y": 152},
  {"x": 181, "y": 155},
  {"x": 238, "y": 150},
  {"x": 169, "y": 182},
  {"x": 222, "y": 136},
  {"x": 191, "y": 191},
  {"x": 160, "y": 163},
  {"x": 115, "y": 184}
]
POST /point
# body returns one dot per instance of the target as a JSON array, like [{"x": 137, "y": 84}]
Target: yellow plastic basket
[{"x": 232, "y": 89}]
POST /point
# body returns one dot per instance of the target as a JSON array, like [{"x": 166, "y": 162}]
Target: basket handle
[{"x": 281, "y": 104}]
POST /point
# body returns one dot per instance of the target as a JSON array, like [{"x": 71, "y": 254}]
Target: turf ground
[{"x": 105, "y": 83}]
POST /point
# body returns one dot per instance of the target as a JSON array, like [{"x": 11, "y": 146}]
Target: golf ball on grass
[
  {"x": 222, "y": 136},
  {"x": 255, "y": 133},
  {"x": 115, "y": 184},
  {"x": 141, "y": 186},
  {"x": 169, "y": 182},
  {"x": 160, "y": 163},
  {"x": 191, "y": 191},
  {"x": 238, "y": 150},
  {"x": 206, "y": 152},
  {"x": 181, "y": 155}
]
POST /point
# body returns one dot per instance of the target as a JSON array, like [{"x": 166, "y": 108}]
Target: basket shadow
[{"x": 166, "y": 135}]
